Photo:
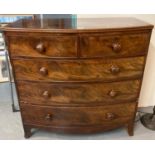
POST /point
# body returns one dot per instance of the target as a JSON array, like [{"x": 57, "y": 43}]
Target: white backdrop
[{"x": 147, "y": 95}]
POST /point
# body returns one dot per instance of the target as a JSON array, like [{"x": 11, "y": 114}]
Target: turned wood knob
[
  {"x": 40, "y": 48},
  {"x": 110, "y": 116},
  {"x": 48, "y": 117},
  {"x": 113, "y": 93},
  {"x": 114, "y": 69},
  {"x": 116, "y": 47},
  {"x": 46, "y": 94},
  {"x": 43, "y": 71}
]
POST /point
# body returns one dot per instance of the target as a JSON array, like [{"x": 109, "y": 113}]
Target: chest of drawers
[{"x": 80, "y": 79}]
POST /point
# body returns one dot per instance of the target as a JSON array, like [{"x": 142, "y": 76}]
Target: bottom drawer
[{"x": 78, "y": 116}]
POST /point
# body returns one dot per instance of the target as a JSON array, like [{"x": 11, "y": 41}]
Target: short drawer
[
  {"x": 77, "y": 116},
  {"x": 78, "y": 70},
  {"x": 78, "y": 94},
  {"x": 41, "y": 46},
  {"x": 114, "y": 45}
]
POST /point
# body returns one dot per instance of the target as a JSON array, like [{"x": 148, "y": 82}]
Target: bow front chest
[{"x": 80, "y": 77}]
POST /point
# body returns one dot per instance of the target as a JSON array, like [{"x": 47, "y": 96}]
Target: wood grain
[
  {"x": 54, "y": 46},
  {"x": 88, "y": 70},
  {"x": 80, "y": 78},
  {"x": 103, "y": 46},
  {"x": 79, "y": 94},
  {"x": 83, "y": 25},
  {"x": 77, "y": 116}
]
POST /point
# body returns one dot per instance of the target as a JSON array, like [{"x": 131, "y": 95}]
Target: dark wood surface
[
  {"x": 114, "y": 45},
  {"x": 79, "y": 25},
  {"x": 90, "y": 46},
  {"x": 39, "y": 46},
  {"x": 78, "y": 70},
  {"x": 79, "y": 94},
  {"x": 77, "y": 116},
  {"x": 78, "y": 77}
]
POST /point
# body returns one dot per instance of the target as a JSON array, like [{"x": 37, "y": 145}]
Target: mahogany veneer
[{"x": 80, "y": 78}]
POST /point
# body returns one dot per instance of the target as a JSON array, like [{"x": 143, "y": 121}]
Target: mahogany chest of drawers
[{"x": 78, "y": 79}]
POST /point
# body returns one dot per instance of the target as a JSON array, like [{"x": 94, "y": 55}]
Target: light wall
[{"x": 147, "y": 95}]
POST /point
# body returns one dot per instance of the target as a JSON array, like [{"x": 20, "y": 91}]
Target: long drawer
[
  {"x": 78, "y": 94},
  {"x": 78, "y": 116},
  {"x": 122, "y": 45},
  {"x": 78, "y": 70}
]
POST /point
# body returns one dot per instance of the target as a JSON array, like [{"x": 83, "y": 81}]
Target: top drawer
[
  {"x": 114, "y": 45},
  {"x": 42, "y": 46}
]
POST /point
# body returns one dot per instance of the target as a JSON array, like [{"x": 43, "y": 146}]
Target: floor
[{"x": 11, "y": 126}]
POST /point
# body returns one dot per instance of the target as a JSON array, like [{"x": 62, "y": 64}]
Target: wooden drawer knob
[
  {"x": 43, "y": 71},
  {"x": 110, "y": 116},
  {"x": 113, "y": 93},
  {"x": 48, "y": 117},
  {"x": 116, "y": 47},
  {"x": 40, "y": 48},
  {"x": 46, "y": 94},
  {"x": 114, "y": 69}
]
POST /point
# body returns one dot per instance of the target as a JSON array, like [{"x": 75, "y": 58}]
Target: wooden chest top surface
[{"x": 76, "y": 25}]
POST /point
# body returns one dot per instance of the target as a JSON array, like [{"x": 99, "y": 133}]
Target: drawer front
[
  {"x": 69, "y": 94},
  {"x": 78, "y": 116},
  {"x": 114, "y": 46},
  {"x": 84, "y": 70},
  {"x": 38, "y": 46}
]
